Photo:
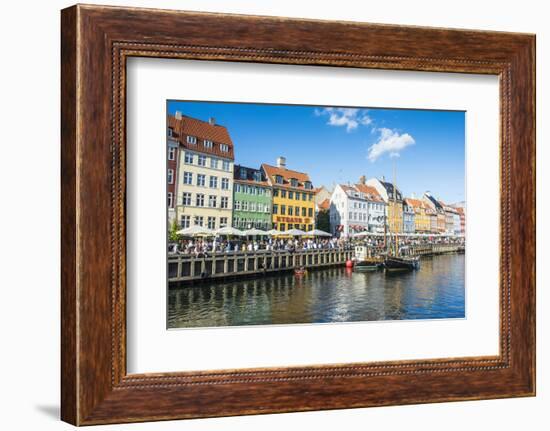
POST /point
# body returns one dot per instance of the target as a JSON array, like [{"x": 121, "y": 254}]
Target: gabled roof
[
  {"x": 415, "y": 203},
  {"x": 434, "y": 201},
  {"x": 202, "y": 130},
  {"x": 389, "y": 189},
  {"x": 370, "y": 192},
  {"x": 287, "y": 174},
  {"x": 325, "y": 205}
]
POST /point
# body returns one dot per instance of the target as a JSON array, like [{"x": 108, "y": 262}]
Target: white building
[{"x": 355, "y": 209}]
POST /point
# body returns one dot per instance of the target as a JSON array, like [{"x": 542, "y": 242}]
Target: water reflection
[{"x": 328, "y": 295}]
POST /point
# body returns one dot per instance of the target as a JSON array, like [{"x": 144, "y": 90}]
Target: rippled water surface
[{"x": 327, "y": 295}]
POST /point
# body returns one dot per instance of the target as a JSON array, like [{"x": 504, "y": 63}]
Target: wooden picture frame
[{"x": 96, "y": 41}]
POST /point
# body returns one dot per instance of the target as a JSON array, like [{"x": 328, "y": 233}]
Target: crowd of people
[{"x": 202, "y": 246}]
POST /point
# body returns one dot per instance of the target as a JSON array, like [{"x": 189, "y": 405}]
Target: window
[
  {"x": 275, "y": 192},
  {"x": 304, "y": 209},
  {"x": 224, "y": 202},
  {"x": 242, "y": 173},
  {"x": 191, "y": 140},
  {"x": 290, "y": 211},
  {"x": 266, "y": 208},
  {"x": 283, "y": 194},
  {"x": 297, "y": 211},
  {"x": 187, "y": 178},
  {"x": 275, "y": 208},
  {"x": 208, "y": 144},
  {"x": 257, "y": 176},
  {"x": 253, "y": 206},
  {"x": 213, "y": 182},
  {"x": 308, "y": 185},
  {"x": 291, "y": 195},
  {"x": 211, "y": 222},
  {"x": 198, "y": 220},
  {"x": 310, "y": 197},
  {"x": 170, "y": 176},
  {"x": 201, "y": 180},
  {"x": 267, "y": 192},
  {"x": 188, "y": 158},
  {"x": 170, "y": 133},
  {"x": 171, "y": 153},
  {"x": 224, "y": 148},
  {"x": 278, "y": 179},
  {"x": 214, "y": 163},
  {"x": 304, "y": 197},
  {"x": 200, "y": 200},
  {"x": 237, "y": 205},
  {"x": 170, "y": 200},
  {"x": 310, "y": 212},
  {"x": 185, "y": 221},
  {"x": 223, "y": 221},
  {"x": 186, "y": 198},
  {"x": 294, "y": 182},
  {"x": 283, "y": 209},
  {"x": 245, "y": 205},
  {"x": 226, "y": 165},
  {"x": 225, "y": 183},
  {"x": 282, "y": 227},
  {"x": 212, "y": 201},
  {"x": 202, "y": 160}
]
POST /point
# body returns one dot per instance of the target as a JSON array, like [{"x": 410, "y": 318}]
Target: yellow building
[
  {"x": 293, "y": 197},
  {"x": 394, "y": 200},
  {"x": 422, "y": 220}
]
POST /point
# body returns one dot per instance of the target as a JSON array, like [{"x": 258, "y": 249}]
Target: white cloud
[
  {"x": 390, "y": 141},
  {"x": 350, "y": 118}
]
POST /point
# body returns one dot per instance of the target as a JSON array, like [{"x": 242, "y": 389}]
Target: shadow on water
[{"x": 435, "y": 291}]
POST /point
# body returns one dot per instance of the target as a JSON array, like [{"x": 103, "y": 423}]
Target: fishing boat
[{"x": 362, "y": 262}]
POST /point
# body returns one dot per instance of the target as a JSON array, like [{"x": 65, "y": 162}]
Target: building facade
[
  {"x": 437, "y": 206},
  {"x": 394, "y": 201},
  {"x": 349, "y": 211},
  {"x": 204, "y": 173},
  {"x": 251, "y": 199},
  {"x": 293, "y": 197},
  {"x": 172, "y": 155},
  {"x": 408, "y": 218},
  {"x": 422, "y": 220},
  {"x": 377, "y": 216}
]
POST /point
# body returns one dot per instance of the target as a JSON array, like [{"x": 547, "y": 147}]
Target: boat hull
[{"x": 401, "y": 264}]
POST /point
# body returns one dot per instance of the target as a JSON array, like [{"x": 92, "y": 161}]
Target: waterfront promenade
[{"x": 184, "y": 268}]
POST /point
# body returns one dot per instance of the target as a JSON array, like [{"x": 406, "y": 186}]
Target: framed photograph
[{"x": 261, "y": 217}]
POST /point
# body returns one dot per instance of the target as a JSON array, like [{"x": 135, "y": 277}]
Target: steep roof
[
  {"x": 370, "y": 192},
  {"x": 287, "y": 174},
  {"x": 202, "y": 130},
  {"x": 389, "y": 189},
  {"x": 415, "y": 203},
  {"x": 325, "y": 205},
  {"x": 249, "y": 177}
]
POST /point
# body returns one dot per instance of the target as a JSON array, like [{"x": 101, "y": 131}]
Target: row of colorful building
[{"x": 205, "y": 187}]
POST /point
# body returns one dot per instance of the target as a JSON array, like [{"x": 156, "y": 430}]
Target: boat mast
[{"x": 395, "y": 210}]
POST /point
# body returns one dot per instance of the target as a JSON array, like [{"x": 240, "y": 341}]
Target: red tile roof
[
  {"x": 371, "y": 193},
  {"x": 287, "y": 174},
  {"x": 415, "y": 203},
  {"x": 325, "y": 205},
  {"x": 202, "y": 130}
]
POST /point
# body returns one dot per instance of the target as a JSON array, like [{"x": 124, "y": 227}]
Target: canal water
[{"x": 435, "y": 291}]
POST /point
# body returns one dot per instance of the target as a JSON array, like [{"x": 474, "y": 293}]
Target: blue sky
[{"x": 338, "y": 145}]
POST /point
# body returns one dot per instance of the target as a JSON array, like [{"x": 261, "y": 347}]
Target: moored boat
[
  {"x": 363, "y": 262},
  {"x": 393, "y": 263}
]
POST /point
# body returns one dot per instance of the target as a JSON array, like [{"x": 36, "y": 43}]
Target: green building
[{"x": 251, "y": 199}]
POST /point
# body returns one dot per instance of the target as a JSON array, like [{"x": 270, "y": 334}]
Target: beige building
[{"x": 204, "y": 186}]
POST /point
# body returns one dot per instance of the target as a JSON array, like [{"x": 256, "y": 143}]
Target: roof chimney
[
  {"x": 212, "y": 121},
  {"x": 362, "y": 179},
  {"x": 178, "y": 115},
  {"x": 281, "y": 162}
]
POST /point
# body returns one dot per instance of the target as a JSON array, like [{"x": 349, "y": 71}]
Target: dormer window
[
  {"x": 191, "y": 140},
  {"x": 170, "y": 132},
  {"x": 294, "y": 182},
  {"x": 278, "y": 179},
  {"x": 208, "y": 144},
  {"x": 242, "y": 173},
  {"x": 257, "y": 176},
  {"x": 224, "y": 148},
  {"x": 308, "y": 185}
]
